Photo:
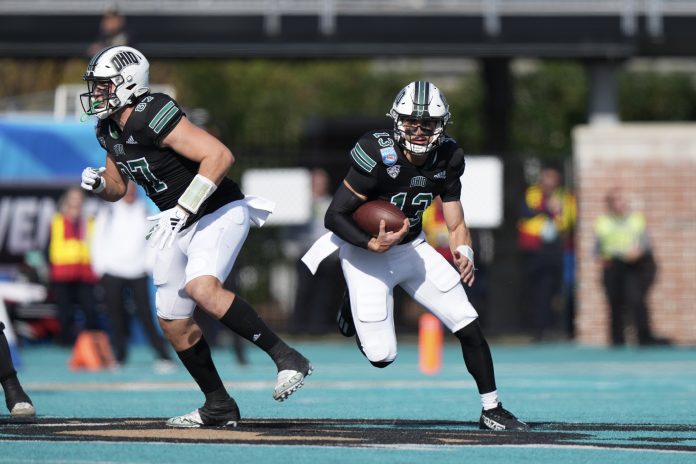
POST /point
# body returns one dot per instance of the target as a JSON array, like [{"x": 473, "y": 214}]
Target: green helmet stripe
[
  {"x": 417, "y": 103},
  {"x": 421, "y": 97}
]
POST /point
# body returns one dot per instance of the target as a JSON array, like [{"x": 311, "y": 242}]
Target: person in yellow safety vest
[
  {"x": 72, "y": 278},
  {"x": 628, "y": 267},
  {"x": 545, "y": 234}
]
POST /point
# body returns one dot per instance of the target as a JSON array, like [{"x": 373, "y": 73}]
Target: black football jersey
[
  {"x": 379, "y": 170},
  {"x": 163, "y": 173}
]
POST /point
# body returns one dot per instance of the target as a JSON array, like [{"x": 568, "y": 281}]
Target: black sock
[
  {"x": 243, "y": 320},
  {"x": 6, "y": 366},
  {"x": 14, "y": 393},
  {"x": 286, "y": 357},
  {"x": 198, "y": 361},
  {"x": 477, "y": 356},
  {"x": 218, "y": 396}
]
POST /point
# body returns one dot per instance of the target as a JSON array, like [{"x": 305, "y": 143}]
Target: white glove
[
  {"x": 92, "y": 179},
  {"x": 169, "y": 223}
]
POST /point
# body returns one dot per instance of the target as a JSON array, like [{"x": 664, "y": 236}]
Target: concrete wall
[{"x": 655, "y": 165}]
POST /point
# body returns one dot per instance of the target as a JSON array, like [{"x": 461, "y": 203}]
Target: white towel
[
  {"x": 321, "y": 249},
  {"x": 259, "y": 209}
]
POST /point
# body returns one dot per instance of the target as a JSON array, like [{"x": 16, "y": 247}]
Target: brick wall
[{"x": 655, "y": 165}]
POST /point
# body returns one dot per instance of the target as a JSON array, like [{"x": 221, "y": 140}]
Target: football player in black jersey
[
  {"x": 203, "y": 223},
  {"x": 409, "y": 166}
]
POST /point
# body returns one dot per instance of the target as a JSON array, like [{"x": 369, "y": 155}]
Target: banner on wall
[
  {"x": 26, "y": 212},
  {"x": 39, "y": 159}
]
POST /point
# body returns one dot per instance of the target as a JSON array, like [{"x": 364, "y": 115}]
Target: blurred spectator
[
  {"x": 437, "y": 235},
  {"x": 545, "y": 229},
  {"x": 72, "y": 277},
  {"x": 435, "y": 228},
  {"x": 122, "y": 260},
  {"x": 112, "y": 31},
  {"x": 628, "y": 267},
  {"x": 35, "y": 318},
  {"x": 211, "y": 326},
  {"x": 317, "y": 296}
]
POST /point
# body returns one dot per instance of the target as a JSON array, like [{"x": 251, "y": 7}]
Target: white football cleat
[
  {"x": 23, "y": 409},
  {"x": 288, "y": 382},
  {"x": 194, "y": 420},
  {"x": 224, "y": 413},
  {"x": 190, "y": 420}
]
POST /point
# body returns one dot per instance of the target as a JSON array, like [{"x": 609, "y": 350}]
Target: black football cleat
[
  {"x": 344, "y": 318},
  {"x": 499, "y": 418}
]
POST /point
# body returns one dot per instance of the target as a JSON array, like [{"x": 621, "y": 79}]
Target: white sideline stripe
[
  {"x": 400, "y": 447},
  {"x": 255, "y": 385},
  {"x": 417, "y": 447},
  {"x": 79, "y": 424}
]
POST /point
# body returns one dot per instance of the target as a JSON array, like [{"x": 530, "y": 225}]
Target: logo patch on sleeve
[
  {"x": 394, "y": 171},
  {"x": 389, "y": 156}
]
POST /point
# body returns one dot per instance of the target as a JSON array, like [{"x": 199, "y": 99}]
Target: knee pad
[{"x": 378, "y": 355}]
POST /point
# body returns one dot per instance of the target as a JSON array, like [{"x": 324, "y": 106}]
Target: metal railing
[
  {"x": 367, "y": 7},
  {"x": 490, "y": 10}
]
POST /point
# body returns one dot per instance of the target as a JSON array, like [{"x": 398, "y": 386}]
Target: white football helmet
[
  {"x": 420, "y": 101},
  {"x": 115, "y": 77}
]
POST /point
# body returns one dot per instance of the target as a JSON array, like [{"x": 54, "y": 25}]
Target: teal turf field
[{"x": 584, "y": 404}]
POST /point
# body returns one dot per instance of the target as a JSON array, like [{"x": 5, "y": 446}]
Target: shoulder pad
[
  {"x": 455, "y": 156},
  {"x": 373, "y": 148},
  {"x": 364, "y": 155},
  {"x": 448, "y": 142},
  {"x": 155, "y": 115}
]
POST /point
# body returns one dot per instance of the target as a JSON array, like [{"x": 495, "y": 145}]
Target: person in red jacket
[{"x": 71, "y": 272}]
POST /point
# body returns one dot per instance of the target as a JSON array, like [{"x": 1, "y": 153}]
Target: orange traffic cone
[
  {"x": 92, "y": 351},
  {"x": 429, "y": 344}
]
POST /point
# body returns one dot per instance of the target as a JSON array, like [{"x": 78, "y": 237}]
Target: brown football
[{"x": 368, "y": 215}]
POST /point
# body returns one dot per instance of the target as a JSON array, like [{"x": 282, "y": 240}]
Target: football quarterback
[{"x": 409, "y": 166}]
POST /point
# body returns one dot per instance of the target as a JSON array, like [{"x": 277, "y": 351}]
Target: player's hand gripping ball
[{"x": 368, "y": 215}]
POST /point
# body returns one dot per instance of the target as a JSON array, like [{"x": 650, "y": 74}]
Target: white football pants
[
  {"x": 421, "y": 271},
  {"x": 210, "y": 246}
]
